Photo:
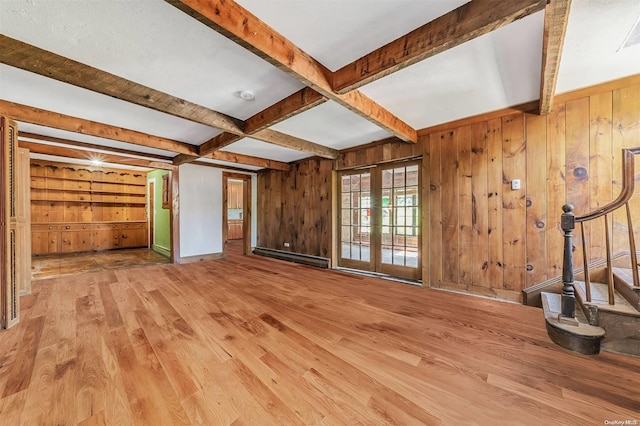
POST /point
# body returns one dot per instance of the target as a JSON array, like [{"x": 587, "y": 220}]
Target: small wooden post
[{"x": 567, "y": 222}]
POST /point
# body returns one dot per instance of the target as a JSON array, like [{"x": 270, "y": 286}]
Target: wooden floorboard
[
  {"x": 256, "y": 341},
  {"x": 65, "y": 264}
]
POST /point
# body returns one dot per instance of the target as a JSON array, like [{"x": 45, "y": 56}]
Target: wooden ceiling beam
[
  {"x": 233, "y": 157},
  {"x": 288, "y": 107},
  {"x": 39, "y": 61},
  {"x": 39, "y": 148},
  {"x": 287, "y": 141},
  {"x": 92, "y": 146},
  {"x": 33, "y": 59},
  {"x": 242, "y": 27},
  {"x": 217, "y": 142},
  {"x": 471, "y": 20},
  {"x": 220, "y": 166},
  {"x": 181, "y": 159},
  {"x": 556, "y": 16},
  {"x": 56, "y": 120},
  {"x": 294, "y": 104}
]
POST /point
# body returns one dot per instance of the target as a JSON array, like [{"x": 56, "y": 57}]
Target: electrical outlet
[
  {"x": 286, "y": 244},
  {"x": 515, "y": 184}
]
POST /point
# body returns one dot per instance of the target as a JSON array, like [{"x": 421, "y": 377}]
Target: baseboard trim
[
  {"x": 202, "y": 258},
  {"x": 161, "y": 250},
  {"x": 304, "y": 259}
]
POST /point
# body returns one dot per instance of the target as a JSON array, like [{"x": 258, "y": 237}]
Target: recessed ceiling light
[{"x": 247, "y": 95}]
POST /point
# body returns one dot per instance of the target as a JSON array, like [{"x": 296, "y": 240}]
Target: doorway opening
[
  {"x": 160, "y": 213},
  {"x": 379, "y": 212},
  {"x": 236, "y": 212}
]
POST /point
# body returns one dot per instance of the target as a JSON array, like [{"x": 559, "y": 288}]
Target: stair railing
[{"x": 568, "y": 221}]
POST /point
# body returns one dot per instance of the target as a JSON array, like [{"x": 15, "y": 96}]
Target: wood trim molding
[
  {"x": 465, "y": 23},
  {"x": 246, "y": 210},
  {"x": 370, "y": 145},
  {"x": 556, "y": 15},
  {"x": 526, "y": 107},
  {"x": 607, "y": 86},
  {"x": 530, "y": 107},
  {"x": 174, "y": 224}
]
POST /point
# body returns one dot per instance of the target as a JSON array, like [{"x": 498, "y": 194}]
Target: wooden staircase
[{"x": 608, "y": 314}]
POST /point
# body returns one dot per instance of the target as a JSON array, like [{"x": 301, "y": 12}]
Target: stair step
[
  {"x": 600, "y": 299},
  {"x": 625, "y": 274},
  {"x": 577, "y": 336},
  {"x": 624, "y": 284}
]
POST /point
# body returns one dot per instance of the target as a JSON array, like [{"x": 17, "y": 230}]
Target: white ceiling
[{"x": 154, "y": 44}]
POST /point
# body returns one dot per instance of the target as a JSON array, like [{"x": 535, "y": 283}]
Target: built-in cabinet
[
  {"x": 75, "y": 237},
  {"x": 78, "y": 208},
  {"x": 234, "y": 231},
  {"x": 234, "y": 200}
]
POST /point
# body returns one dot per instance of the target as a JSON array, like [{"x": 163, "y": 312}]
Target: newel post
[{"x": 567, "y": 223}]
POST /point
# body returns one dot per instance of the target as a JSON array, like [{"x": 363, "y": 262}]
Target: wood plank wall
[
  {"x": 295, "y": 207},
  {"x": 480, "y": 236},
  {"x": 488, "y": 239}
]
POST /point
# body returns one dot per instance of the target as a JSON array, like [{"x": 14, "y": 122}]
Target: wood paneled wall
[
  {"x": 478, "y": 234},
  {"x": 485, "y": 237},
  {"x": 295, "y": 207}
]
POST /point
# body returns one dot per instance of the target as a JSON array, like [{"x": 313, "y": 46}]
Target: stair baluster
[
  {"x": 632, "y": 249},
  {"x": 585, "y": 262},
  {"x": 567, "y": 223},
  {"x": 609, "y": 267}
]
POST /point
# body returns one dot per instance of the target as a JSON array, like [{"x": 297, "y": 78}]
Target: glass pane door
[
  {"x": 379, "y": 220},
  {"x": 355, "y": 220},
  {"x": 400, "y": 212}
]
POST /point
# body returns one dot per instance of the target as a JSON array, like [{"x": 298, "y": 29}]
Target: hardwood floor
[
  {"x": 60, "y": 265},
  {"x": 256, "y": 341}
]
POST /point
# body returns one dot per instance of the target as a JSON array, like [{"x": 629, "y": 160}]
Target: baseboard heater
[{"x": 304, "y": 259}]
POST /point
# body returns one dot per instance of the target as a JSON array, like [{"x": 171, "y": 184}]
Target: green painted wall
[{"x": 162, "y": 231}]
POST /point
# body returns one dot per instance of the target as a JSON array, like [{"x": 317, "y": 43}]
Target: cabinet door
[
  {"x": 74, "y": 241},
  {"x": 45, "y": 239},
  {"x": 106, "y": 237},
  {"x": 235, "y": 230},
  {"x": 134, "y": 235},
  {"x": 44, "y": 242}
]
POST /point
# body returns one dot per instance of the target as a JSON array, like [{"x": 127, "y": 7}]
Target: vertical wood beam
[{"x": 556, "y": 16}]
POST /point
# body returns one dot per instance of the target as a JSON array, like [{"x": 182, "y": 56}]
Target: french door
[{"x": 380, "y": 220}]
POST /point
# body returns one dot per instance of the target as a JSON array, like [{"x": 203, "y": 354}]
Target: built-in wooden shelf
[
  {"x": 75, "y": 208},
  {"x": 55, "y": 200},
  {"x": 86, "y": 180},
  {"x": 92, "y": 191}
]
